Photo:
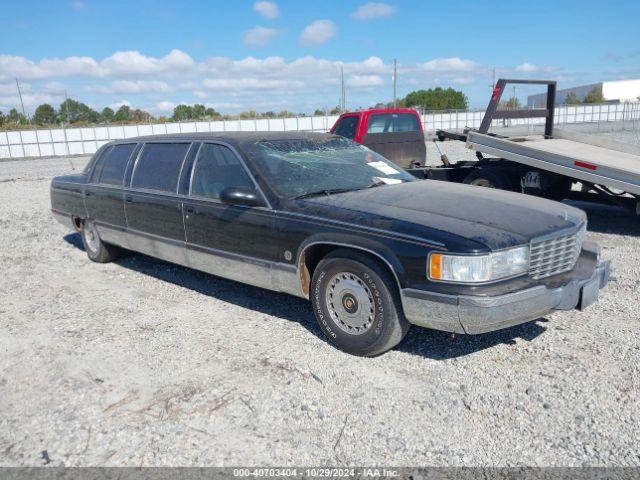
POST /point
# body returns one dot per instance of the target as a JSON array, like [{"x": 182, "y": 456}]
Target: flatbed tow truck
[{"x": 545, "y": 165}]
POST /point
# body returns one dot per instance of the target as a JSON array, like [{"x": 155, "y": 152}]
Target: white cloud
[
  {"x": 78, "y": 5},
  {"x": 163, "y": 107},
  {"x": 131, "y": 63},
  {"x": 453, "y": 64},
  {"x": 266, "y": 9},
  {"x": 140, "y": 86},
  {"x": 116, "y": 105},
  {"x": 260, "y": 36},
  {"x": 372, "y": 10},
  {"x": 364, "y": 81},
  {"x": 250, "y": 83},
  {"x": 31, "y": 101},
  {"x": 526, "y": 68},
  {"x": 254, "y": 84},
  {"x": 318, "y": 32}
]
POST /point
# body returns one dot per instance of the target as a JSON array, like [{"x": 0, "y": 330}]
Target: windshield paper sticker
[
  {"x": 384, "y": 168},
  {"x": 389, "y": 181}
]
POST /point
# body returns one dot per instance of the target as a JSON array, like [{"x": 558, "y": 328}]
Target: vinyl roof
[{"x": 229, "y": 137}]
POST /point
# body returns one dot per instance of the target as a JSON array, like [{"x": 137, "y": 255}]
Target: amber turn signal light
[{"x": 435, "y": 266}]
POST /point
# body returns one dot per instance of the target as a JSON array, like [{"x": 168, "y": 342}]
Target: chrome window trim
[
  {"x": 137, "y": 161},
  {"x": 242, "y": 163}
]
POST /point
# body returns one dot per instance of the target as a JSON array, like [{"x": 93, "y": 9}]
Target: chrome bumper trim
[
  {"x": 63, "y": 218},
  {"x": 472, "y": 315}
]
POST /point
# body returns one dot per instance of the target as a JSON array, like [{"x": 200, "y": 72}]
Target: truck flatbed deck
[{"x": 572, "y": 157}]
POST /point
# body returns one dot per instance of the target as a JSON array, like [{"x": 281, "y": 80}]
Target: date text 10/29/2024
[{"x": 315, "y": 472}]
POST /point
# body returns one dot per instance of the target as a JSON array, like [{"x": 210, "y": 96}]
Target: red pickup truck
[{"x": 396, "y": 134}]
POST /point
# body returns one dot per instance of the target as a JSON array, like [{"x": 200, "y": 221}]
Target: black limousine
[{"x": 323, "y": 218}]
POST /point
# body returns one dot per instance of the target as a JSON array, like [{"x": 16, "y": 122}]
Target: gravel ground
[{"x": 140, "y": 362}]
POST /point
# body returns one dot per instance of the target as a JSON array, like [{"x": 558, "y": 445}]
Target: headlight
[{"x": 478, "y": 268}]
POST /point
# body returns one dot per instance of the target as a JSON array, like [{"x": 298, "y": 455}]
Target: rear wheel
[
  {"x": 97, "y": 250},
  {"x": 490, "y": 178},
  {"x": 357, "y": 305}
]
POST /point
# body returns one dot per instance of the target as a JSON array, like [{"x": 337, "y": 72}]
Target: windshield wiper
[
  {"x": 377, "y": 183},
  {"x": 324, "y": 191}
]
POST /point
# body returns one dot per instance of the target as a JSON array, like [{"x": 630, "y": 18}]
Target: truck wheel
[
  {"x": 490, "y": 178},
  {"x": 97, "y": 250},
  {"x": 559, "y": 189},
  {"x": 357, "y": 305}
]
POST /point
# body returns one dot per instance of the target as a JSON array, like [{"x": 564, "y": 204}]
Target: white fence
[{"x": 79, "y": 141}]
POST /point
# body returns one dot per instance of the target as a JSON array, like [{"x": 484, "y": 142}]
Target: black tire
[
  {"x": 97, "y": 250},
  {"x": 490, "y": 178},
  {"x": 559, "y": 188},
  {"x": 383, "y": 328}
]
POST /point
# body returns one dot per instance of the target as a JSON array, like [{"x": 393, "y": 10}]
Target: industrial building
[{"x": 613, "y": 92}]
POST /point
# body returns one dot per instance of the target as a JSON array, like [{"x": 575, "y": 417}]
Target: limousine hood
[{"x": 429, "y": 208}]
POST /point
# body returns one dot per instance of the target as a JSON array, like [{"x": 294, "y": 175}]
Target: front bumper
[{"x": 479, "y": 314}]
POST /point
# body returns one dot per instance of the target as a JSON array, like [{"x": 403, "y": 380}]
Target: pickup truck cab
[
  {"x": 321, "y": 217},
  {"x": 396, "y": 134}
]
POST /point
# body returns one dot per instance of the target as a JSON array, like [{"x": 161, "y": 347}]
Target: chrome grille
[{"x": 550, "y": 256}]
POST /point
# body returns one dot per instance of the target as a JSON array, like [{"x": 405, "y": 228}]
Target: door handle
[
  {"x": 87, "y": 194},
  {"x": 128, "y": 199},
  {"x": 189, "y": 209}
]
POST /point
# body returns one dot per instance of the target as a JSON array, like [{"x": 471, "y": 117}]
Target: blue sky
[{"x": 242, "y": 55}]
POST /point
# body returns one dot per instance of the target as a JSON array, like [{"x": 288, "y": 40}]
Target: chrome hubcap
[
  {"x": 91, "y": 236},
  {"x": 350, "y": 303},
  {"x": 482, "y": 182}
]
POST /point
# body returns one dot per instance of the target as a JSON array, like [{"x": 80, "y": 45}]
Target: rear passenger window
[
  {"x": 115, "y": 163},
  {"x": 393, "y": 122},
  {"x": 217, "y": 168},
  {"x": 347, "y": 127},
  {"x": 158, "y": 167}
]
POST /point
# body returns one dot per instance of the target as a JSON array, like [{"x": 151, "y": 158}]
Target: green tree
[
  {"x": 45, "y": 115},
  {"x": 106, "y": 115},
  {"x": 72, "y": 111},
  {"x": 16, "y": 117},
  {"x": 335, "y": 111},
  {"x": 318, "y": 112},
  {"x": 571, "y": 99},
  {"x": 139, "y": 116},
  {"x": 123, "y": 114},
  {"x": 512, "y": 104},
  {"x": 594, "y": 96},
  {"x": 182, "y": 112},
  {"x": 437, "y": 99},
  {"x": 211, "y": 113},
  {"x": 248, "y": 115},
  {"x": 198, "y": 111},
  {"x": 3, "y": 119}
]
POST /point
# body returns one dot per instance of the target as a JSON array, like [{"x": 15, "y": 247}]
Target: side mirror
[{"x": 241, "y": 196}]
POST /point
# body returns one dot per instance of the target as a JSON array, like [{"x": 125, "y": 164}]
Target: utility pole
[
  {"x": 343, "y": 100},
  {"x": 66, "y": 107},
  {"x": 395, "y": 83},
  {"x": 21, "y": 102},
  {"x": 493, "y": 83}
]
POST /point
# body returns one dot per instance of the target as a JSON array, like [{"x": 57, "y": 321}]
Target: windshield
[{"x": 299, "y": 167}]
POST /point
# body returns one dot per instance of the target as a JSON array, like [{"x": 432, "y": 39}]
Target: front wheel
[
  {"x": 357, "y": 305},
  {"x": 490, "y": 178},
  {"x": 97, "y": 250}
]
